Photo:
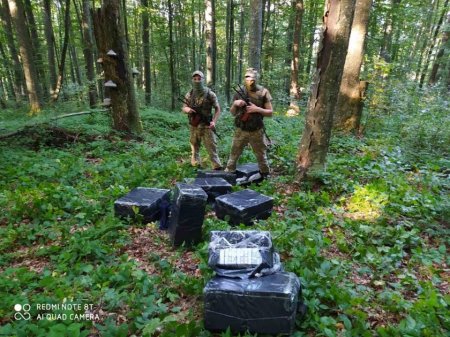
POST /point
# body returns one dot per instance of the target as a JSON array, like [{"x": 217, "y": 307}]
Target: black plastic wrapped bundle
[
  {"x": 242, "y": 254},
  {"x": 188, "y": 213},
  {"x": 243, "y": 207},
  {"x": 228, "y": 176},
  {"x": 266, "y": 305},
  {"x": 146, "y": 200},
  {"x": 214, "y": 187},
  {"x": 246, "y": 170}
]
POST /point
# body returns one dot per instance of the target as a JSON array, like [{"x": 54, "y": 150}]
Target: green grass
[{"x": 368, "y": 237}]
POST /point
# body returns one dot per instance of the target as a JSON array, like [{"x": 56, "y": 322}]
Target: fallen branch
[{"x": 17, "y": 132}]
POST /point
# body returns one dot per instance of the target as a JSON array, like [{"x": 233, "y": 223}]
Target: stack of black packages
[
  {"x": 228, "y": 176},
  {"x": 243, "y": 207},
  {"x": 250, "y": 291},
  {"x": 214, "y": 187},
  {"x": 187, "y": 214},
  {"x": 143, "y": 201}
]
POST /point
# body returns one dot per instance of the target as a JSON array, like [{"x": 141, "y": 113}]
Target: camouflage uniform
[
  {"x": 202, "y": 132},
  {"x": 251, "y": 131}
]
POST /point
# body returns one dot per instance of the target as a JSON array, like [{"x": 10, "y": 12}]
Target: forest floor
[{"x": 368, "y": 237}]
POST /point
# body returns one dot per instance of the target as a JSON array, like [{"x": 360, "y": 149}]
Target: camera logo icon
[{"x": 22, "y": 311}]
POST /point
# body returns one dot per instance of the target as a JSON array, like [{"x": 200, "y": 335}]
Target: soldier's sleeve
[
  {"x": 187, "y": 98},
  {"x": 267, "y": 96},
  {"x": 214, "y": 101}
]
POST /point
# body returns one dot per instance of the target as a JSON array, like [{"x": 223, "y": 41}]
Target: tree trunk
[
  {"x": 210, "y": 20},
  {"x": 330, "y": 64},
  {"x": 172, "y": 58},
  {"x": 109, "y": 33},
  {"x": 146, "y": 48},
  {"x": 74, "y": 58},
  {"x": 386, "y": 47},
  {"x": 25, "y": 48},
  {"x": 438, "y": 60},
  {"x": 255, "y": 34},
  {"x": 229, "y": 52},
  {"x": 59, "y": 81},
  {"x": 88, "y": 52},
  {"x": 294, "y": 87},
  {"x": 347, "y": 114},
  {"x": 18, "y": 73},
  {"x": 241, "y": 40},
  {"x": 36, "y": 45},
  {"x": 50, "y": 37}
]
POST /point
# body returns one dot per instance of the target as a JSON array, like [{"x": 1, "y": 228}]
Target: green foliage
[{"x": 368, "y": 236}]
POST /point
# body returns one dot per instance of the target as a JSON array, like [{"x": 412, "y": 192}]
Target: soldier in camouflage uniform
[
  {"x": 201, "y": 100},
  {"x": 250, "y": 127}
]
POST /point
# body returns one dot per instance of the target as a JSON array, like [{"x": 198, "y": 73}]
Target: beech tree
[{"x": 330, "y": 64}]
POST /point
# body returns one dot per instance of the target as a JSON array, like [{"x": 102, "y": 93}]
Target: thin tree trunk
[
  {"x": 433, "y": 42},
  {"x": 116, "y": 66},
  {"x": 210, "y": 43},
  {"x": 349, "y": 105},
  {"x": 193, "y": 37},
  {"x": 50, "y": 37},
  {"x": 294, "y": 88},
  {"x": 61, "y": 66},
  {"x": 88, "y": 52},
  {"x": 18, "y": 73},
  {"x": 241, "y": 40},
  {"x": 438, "y": 60},
  {"x": 255, "y": 34},
  {"x": 36, "y": 45},
  {"x": 25, "y": 48},
  {"x": 171, "y": 57},
  {"x": 313, "y": 20},
  {"x": 74, "y": 57},
  {"x": 330, "y": 64},
  {"x": 229, "y": 52},
  {"x": 146, "y": 48}
]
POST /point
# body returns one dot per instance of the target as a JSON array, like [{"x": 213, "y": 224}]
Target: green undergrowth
[{"x": 368, "y": 237}]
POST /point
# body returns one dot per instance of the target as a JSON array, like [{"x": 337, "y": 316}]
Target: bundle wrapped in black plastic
[
  {"x": 265, "y": 305},
  {"x": 243, "y": 207},
  {"x": 214, "y": 187},
  {"x": 228, "y": 176},
  {"x": 246, "y": 170},
  {"x": 242, "y": 254},
  {"x": 143, "y": 201},
  {"x": 188, "y": 213}
]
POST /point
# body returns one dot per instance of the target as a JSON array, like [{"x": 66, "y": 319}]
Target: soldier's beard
[
  {"x": 198, "y": 88},
  {"x": 250, "y": 85}
]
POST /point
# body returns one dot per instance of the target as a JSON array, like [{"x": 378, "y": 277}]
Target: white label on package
[{"x": 240, "y": 257}]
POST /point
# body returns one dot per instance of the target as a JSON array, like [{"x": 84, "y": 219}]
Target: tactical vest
[
  {"x": 255, "y": 121},
  {"x": 203, "y": 105}
]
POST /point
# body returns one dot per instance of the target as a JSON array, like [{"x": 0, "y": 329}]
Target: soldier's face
[{"x": 196, "y": 78}]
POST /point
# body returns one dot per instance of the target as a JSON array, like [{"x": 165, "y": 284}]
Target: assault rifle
[
  {"x": 196, "y": 117},
  {"x": 245, "y": 116}
]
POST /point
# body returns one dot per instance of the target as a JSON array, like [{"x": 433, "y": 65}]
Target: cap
[
  {"x": 251, "y": 73},
  {"x": 199, "y": 73}
]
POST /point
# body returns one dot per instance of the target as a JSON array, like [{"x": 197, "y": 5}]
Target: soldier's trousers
[
  {"x": 205, "y": 134},
  {"x": 256, "y": 140}
]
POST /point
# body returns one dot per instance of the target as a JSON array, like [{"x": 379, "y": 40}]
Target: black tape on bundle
[
  {"x": 228, "y": 176},
  {"x": 214, "y": 187},
  {"x": 266, "y": 305}
]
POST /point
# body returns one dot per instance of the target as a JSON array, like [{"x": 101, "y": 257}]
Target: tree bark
[
  {"x": 25, "y": 48},
  {"x": 241, "y": 40},
  {"x": 438, "y": 59},
  {"x": 59, "y": 81},
  {"x": 330, "y": 64},
  {"x": 294, "y": 87},
  {"x": 36, "y": 45},
  {"x": 50, "y": 37},
  {"x": 210, "y": 20},
  {"x": 18, "y": 73},
  {"x": 146, "y": 49},
  {"x": 348, "y": 109},
  {"x": 109, "y": 33},
  {"x": 229, "y": 52},
  {"x": 172, "y": 58},
  {"x": 88, "y": 52},
  {"x": 433, "y": 42},
  {"x": 255, "y": 34}
]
